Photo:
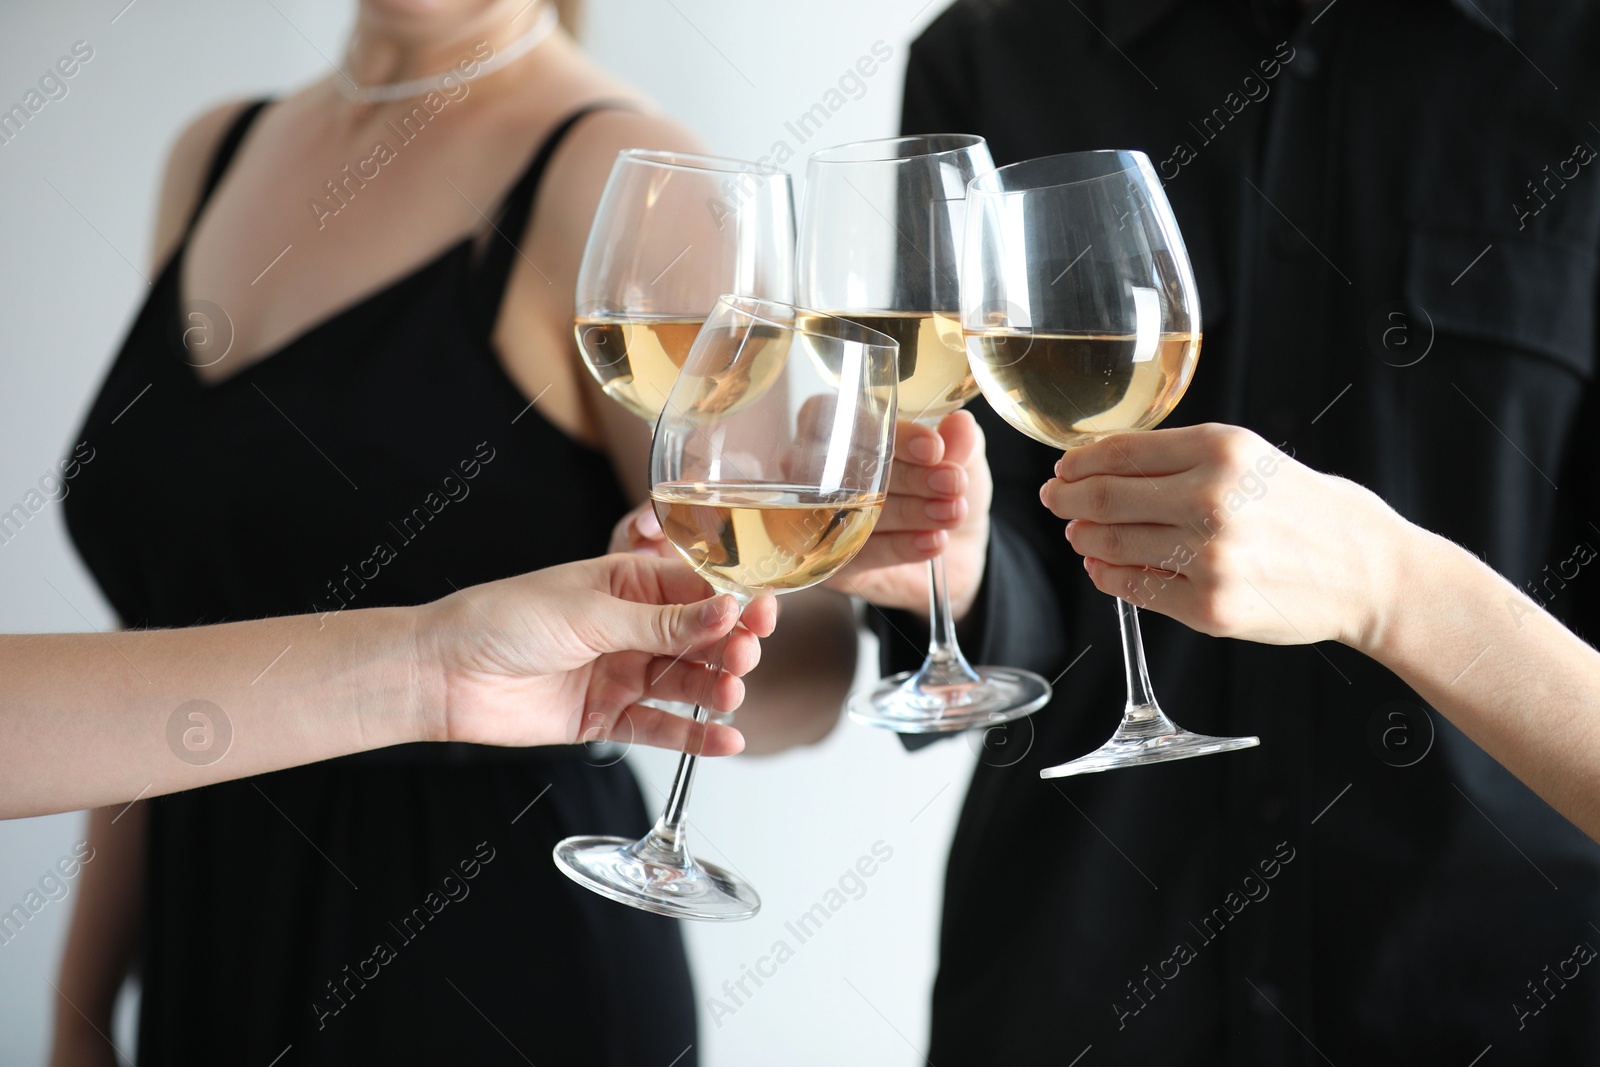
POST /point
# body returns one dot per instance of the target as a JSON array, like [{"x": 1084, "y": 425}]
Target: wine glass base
[
  {"x": 1001, "y": 695},
  {"x": 612, "y": 867},
  {"x": 1131, "y": 751}
]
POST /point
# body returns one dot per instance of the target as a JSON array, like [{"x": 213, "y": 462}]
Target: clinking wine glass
[
  {"x": 768, "y": 469},
  {"x": 1083, "y": 320},
  {"x": 880, "y": 235},
  {"x": 672, "y": 233}
]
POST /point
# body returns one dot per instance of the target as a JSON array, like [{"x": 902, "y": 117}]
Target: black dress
[{"x": 398, "y": 906}]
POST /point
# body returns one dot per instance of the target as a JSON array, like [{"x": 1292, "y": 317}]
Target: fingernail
[
  {"x": 1070, "y": 528},
  {"x": 712, "y": 612},
  {"x": 924, "y": 449},
  {"x": 945, "y": 481},
  {"x": 928, "y": 541},
  {"x": 942, "y": 510},
  {"x": 647, "y": 524}
]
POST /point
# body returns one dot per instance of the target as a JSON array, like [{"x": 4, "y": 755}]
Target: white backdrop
[{"x": 77, "y": 189}]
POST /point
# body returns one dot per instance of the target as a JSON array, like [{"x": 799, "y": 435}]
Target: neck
[{"x": 381, "y": 52}]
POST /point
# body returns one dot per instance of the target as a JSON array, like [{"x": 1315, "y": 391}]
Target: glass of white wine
[
  {"x": 673, "y": 232},
  {"x": 880, "y": 233},
  {"x": 1082, "y": 320},
  {"x": 769, "y": 468}
]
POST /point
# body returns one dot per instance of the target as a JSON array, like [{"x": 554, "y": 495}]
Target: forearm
[
  {"x": 1516, "y": 681},
  {"x": 795, "y": 695},
  {"x": 90, "y": 720}
]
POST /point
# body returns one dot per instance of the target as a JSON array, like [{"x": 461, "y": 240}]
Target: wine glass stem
[
  {"x": 945, "y": 665},
  {"x": 668, "y": 841},
  {"x": 1142, "y": 710}
]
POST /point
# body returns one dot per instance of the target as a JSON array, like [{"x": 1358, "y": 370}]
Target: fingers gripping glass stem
[{"x": 657, "y": 872}]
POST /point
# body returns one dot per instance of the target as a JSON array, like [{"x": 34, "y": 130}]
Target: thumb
[{"x": 670, "y": 629}]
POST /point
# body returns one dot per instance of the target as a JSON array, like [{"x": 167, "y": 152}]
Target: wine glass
[
  {"x": 768, "y": 469},
  {"x": 672, "y": 233},
  {"x": 1082, "y": 320},
  {"x": 880, "y": 231}
]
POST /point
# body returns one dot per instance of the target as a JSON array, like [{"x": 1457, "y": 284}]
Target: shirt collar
[{"x": 1125, "y": 20}]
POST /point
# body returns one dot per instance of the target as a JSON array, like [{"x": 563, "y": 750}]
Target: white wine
[
  {"x": 933, "y": 373},
  {"x": 1070, "y": 389},
  {"x": 753, "y": 536},
  {"x": 636, "y": 360}
]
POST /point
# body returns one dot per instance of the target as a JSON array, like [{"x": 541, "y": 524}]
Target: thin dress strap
[
  {"x": 494, "y": 270},
  {"x": 224, "y": 154}
]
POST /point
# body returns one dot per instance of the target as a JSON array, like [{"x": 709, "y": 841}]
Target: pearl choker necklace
[{"x": 383, "y": 94}]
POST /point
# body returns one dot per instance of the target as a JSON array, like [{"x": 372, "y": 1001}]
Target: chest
[{"x": 310, "y": 219}]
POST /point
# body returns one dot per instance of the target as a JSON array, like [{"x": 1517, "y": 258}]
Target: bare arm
[
  {"x": 553, "y": 657},
  {"x": 1214, "y": 527}
]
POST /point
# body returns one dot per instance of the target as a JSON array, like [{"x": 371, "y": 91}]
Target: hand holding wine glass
[
  {"x": 938, "y": 507},
  {"x": 1083, "y": 320},
  {"x": 1218, "y": 529},
  {"x": 768, "y": 470}
]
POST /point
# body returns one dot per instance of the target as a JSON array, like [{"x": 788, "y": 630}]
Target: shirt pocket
[{"x": 1525, "y": 294}]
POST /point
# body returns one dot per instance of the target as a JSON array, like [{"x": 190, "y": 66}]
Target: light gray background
[{"x": 77, "y": 191}]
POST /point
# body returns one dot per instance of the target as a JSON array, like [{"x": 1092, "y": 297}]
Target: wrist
[
  {"x": 428, "y": 710},
  {"x": 385, "y": 665},
  {"x": 1408, "y": 568}
]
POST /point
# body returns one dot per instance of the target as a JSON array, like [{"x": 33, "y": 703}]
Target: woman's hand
[
  {"x": 1216, "y": 528},
  {"x": 939, "y": 492},
  {"x": 565, "y": 654}
]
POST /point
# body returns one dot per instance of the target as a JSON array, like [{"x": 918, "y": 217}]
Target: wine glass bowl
[
  {"x": 881, "y": 227},
  {"x": 673, "y": 231},
  {"x": 1082, "y": 320},
  {"x": 769, "y": 468}
]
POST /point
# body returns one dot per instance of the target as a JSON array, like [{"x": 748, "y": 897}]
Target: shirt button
[{"x": 1306, "y": 63}]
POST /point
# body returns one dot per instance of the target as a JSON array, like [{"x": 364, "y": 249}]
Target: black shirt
[{"x": 1394, "y": 219}]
